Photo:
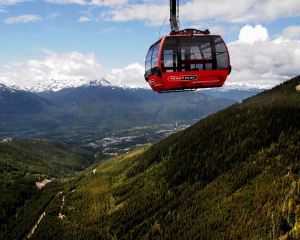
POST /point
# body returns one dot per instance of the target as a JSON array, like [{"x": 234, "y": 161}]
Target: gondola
[{"x": 186, "y": 59}]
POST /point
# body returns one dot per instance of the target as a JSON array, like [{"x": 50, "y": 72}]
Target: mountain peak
[
  {"x": 56, "y": 85},
  {"x": 98, "y": 83},
  {"x": 8, "y": 88}
]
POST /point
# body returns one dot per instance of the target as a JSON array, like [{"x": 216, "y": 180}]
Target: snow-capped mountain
[
  {"x": 231, "y": 91},
  {"x": 56, "y": 85},
  {"x": 3, "y": 87},
  {"x": 236, "y": 94},
  {"x": 98, "y": 83},
  {"x": 12, "y": 89},
  {"x": 244, "y": 86},
  {"x": 98, "y": 106}
]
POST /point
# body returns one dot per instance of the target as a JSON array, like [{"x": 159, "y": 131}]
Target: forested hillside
[
  {"x": 22, "y": 164},
  {"x": 233, "y": 175}
]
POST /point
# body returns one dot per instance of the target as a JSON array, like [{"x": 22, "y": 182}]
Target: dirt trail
[
  {"x": 29, "y": 235},
  {"x": 36, "y": 225},
  {"x": 60, "y": 215}
]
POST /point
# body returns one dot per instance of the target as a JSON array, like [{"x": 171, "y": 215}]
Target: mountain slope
[
  {"x": 21, "y": 110},
  {"x": 22, "y": 164},
  {"x": 233, "y": 175},
  {"x": 112, "y": 107},
  {"x": 94, "y": 109},
  {"x": 16, "y": 101}
]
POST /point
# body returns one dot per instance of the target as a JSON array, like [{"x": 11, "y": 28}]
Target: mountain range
[
  {"x": 97, "y": 107},
  {"x": 60, "y": 84},
  {"x": 55, "y": 85},
  {"x": 235, "y": 94}
]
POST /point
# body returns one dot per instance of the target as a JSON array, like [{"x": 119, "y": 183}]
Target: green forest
[
  {"x": 22, "y": 163},
  {"x": 233, "y": 175}
]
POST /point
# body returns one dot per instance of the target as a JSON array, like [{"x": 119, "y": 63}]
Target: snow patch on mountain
[
  {"x": 98, "y": 82},
  {"x": 56, "y": 85},
  {"x": 244, "y": 86},
  {"x": 5, "y": 88}
]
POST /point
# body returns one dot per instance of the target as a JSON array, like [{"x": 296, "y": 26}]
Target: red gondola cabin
[{"x": 187, "y": 60}]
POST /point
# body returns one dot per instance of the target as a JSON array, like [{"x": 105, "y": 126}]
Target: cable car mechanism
[{"x": 186, "y": 59}]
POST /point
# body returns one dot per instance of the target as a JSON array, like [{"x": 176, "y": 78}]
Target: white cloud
[
  {"x": 10, "y": 2},
  {"x": 107, "y": 2},
  {"x": 23, "y": 19},
  {"x": 68, "y": 69},
  {"x": 199, "y": 10},
  {"x": 90, "y": 2},
  {"x": 5, "y": 3},
  {"x": 263, "y": 64},
  {"x": 65, "y": 68},
  {"x": 80, "y": 2},
  {"x": 226, "y": 10},
  {"x": 291, "y": 32},
  {"x": 275, "y": 9},
  {"x": 249, "y": 34},
  {"x": 240, "y": 11},
  {"x": 129, "y": 76},
  {"x": 84, "y": 19},
  {"x": 151, "y": 13}
]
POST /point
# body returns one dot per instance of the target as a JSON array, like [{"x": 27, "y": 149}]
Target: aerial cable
[{"x": 164, "y": 21}]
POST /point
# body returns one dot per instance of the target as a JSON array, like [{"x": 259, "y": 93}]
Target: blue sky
[
  {"x": 116, "y": 34},
  {"x": 114, "y": 43}
]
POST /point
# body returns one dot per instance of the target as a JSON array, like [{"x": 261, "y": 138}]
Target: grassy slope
[
  {"x": 22, "y": 163},
  {"x": 233, "y": 175}
]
